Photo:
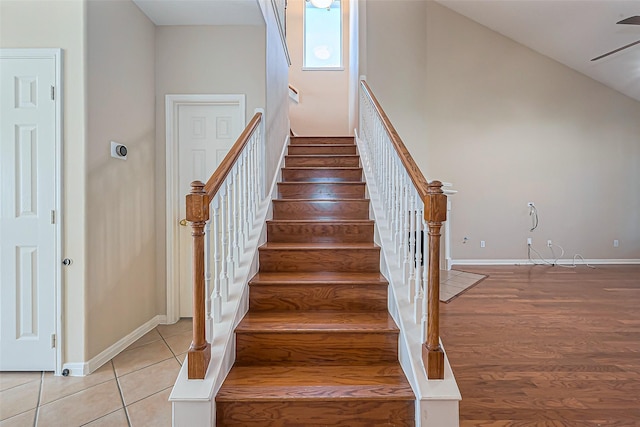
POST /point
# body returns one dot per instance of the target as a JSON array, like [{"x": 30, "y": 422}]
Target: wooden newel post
[
  {"x": 198, "y": 214},
  {"x": 435, "y": 213}
]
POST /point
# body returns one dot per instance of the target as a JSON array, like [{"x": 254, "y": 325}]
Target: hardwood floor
[{"x": 547, "y": 346}]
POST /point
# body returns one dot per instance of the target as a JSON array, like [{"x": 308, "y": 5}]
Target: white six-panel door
[
  {"x": 28, "y": 211},
  {"x": 205, "y": 135}
]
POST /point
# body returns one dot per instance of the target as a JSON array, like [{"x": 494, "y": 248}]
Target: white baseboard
[
  {"x": 82, "y": 369},
  {"x": 525, "y": 261}
]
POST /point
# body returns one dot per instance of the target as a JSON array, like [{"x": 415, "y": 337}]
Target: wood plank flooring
[{"x": 547, "y": 346}]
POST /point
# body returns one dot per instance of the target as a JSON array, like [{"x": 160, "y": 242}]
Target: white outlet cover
[{"x": 114, "y": 154}]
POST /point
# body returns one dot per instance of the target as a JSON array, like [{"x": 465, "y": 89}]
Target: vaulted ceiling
[{"x": 570, "y": 31}]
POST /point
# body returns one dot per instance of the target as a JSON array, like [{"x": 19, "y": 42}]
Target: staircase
[{"x": 318, "y": 346}]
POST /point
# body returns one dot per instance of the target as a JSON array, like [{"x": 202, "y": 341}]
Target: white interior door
[
  {"x": 28, "y": 199},
  {"x": 205, "y": 134}
]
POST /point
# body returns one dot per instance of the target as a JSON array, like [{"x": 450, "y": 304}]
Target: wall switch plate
[
  {"x": 616, "y": 243},
  {"x": 482, "y": 243},
  {"x": 549, "y": 244},
  {"x": 529, "y": 241}
]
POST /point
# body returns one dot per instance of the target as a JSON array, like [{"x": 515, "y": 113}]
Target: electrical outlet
[
  {"x": 529, "y": 241},
  {"x": 616, "y": 243},
  {"x": 482, "y": 243},
  {"x": 549, "y": 244}
]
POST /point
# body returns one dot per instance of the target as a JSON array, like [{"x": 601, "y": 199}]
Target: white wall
[
  {"x": 507, "y": 126},
  {"x": 393, "y": 57},
  {"x": 324, "y": 95},
  {"x": 277, "y": 93},
  {"x": 121, "y": 284},
  {"x": 60, "y": 24}
]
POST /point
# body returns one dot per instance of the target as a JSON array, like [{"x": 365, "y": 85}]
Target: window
[{"x": 322, "y": 36}]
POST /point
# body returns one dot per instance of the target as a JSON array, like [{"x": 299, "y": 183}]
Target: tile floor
[
  {"x": 132, "y": 389},
  {"x": 454, "y": 282}
]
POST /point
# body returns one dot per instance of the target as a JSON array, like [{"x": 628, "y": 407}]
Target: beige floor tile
[
  {"x": 82, "y": 407},
  {"x": 147, "y": 338},
  {"x": 153, "y": 411},
  {"x": 181, "y": 326},
  {"x": 150, "y": 380},
  {"x": 141, "y": 357},
  {"x": 114, "y": 419},
  {"x": 23, "y": 420},
  {"x": 179, "y": 343},
  {"x": 19, "y": 399},
  {"x": 13, "y": 379},
  {"x": 54, "y": 388},
  {"x": 181, "y": 358}
]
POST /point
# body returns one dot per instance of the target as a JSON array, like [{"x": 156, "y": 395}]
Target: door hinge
[
  {"x": 53, "y": 340},
  {"x": 53, "y": 217},
  {"x": 53, "y": 93}
]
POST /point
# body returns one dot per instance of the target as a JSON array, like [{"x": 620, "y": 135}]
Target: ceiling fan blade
[
  {"x": 633, "y": 20},
  {"x": 617, "y": 50}
]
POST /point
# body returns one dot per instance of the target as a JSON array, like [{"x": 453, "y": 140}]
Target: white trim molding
[
  {"x": 172, "y": 103},
  {"x": 82, "y": 369}
]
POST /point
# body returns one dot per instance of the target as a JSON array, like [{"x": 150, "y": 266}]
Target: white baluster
[
  {"x": 217, "y": 297},
  {"x": 236, "y": 213},
  {"x": 208, "y": 325},
  {"x": 229, "y": 233},
  {"x": 418, "y": 244},
  {"x": 412, "y": 246},
  {"x": 242, "y": 191},
  {"x": 425, "y": 269},
  {"x": 247, "y": 191},
  {"x": 249, "y": 159},
  {"x": 224, "y": 278}
]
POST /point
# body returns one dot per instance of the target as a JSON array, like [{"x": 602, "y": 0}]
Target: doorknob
[{"x": 183, "y": 222}]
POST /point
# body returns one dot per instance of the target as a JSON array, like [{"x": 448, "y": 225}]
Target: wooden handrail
[
  {"x": 435, "y": 213},
  {"x": 198, "y": 214}
]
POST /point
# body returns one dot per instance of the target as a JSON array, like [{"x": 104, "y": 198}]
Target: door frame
[
  {"x": 57, "y": 55},
  {"x": 172, "y": 216}
]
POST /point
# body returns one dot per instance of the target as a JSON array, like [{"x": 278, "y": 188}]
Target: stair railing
[
  {"x": 229, "y": 200},
  {"x": 412, "y": 208}
]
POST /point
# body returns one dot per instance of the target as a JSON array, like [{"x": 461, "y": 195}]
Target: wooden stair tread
[
  {"x": 319, "y": 221},
  {"x": 321, "y": 245},
  {"x": 294, "y": 183},
  {"x": 326, "y": 168},
  {"x": 316, "y": 321},
  {"x": 322, "y": 155},
  {"x": 315, "y": 382},
  {"x": 322, "y": 140},
  {"x": 314, "y": 277},
  {"x": 312, "y": 201},
  {"x": 333, "y": 145}
]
